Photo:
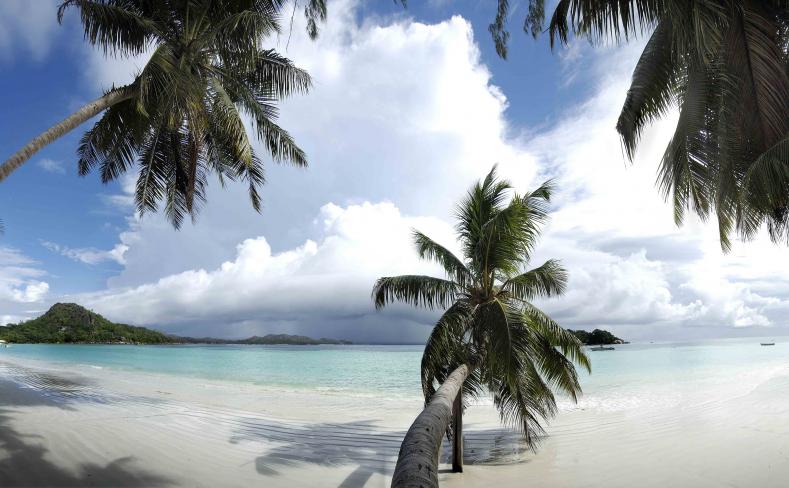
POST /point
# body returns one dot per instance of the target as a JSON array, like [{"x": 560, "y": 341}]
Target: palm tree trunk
[
  {"x": 417, "y": 463},
  {"x": 457, "y": 433},
  {"x": 63, "y": 127}
]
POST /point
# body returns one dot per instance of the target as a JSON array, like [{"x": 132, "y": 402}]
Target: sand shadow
[
  {"x": 362, "y": 445},
  {"x": 357, "y": 444},
  {"x": 24, "y": 459}
]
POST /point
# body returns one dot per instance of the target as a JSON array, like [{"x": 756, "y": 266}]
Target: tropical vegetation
[
  {"x": 596, "y": 337},
  {"x": 69, "y": 323},
  {"x": 725, "y": 65},
  {"x": 490, "y": 327},
  {"x": 183, "y": 116}
]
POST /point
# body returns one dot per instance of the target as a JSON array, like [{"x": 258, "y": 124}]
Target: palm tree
[
  {"x": 725, "y": 65},
  {"x": 491, "y": 331},
  {"x": 181, "y": 118}
]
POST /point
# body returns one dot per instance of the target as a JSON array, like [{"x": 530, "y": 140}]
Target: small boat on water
[
  {"x": 3, "y": 343},
  {"x": 603, "y": 348},
  {"x": 768, "y": 343}
]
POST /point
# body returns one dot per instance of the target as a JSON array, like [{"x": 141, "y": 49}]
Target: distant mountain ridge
[
  {"x": 67, "y": 323},
  {"x": 268, "y": 339}
]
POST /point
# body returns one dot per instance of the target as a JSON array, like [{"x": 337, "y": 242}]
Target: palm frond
[
  {"x": 535, "y": 18},
  {"x": 156, "y": 81},
  {"x": 683, "y": 172},
  {"x": 237, "y": 34},
  {"x": 506, "y": 338},
  {"x": 111, "y": 143},
  {"x": 478, "y": 208},
  {"x": 558, "y": 336},
  {"x": 603, "y": 20},
  {"x": 524, "y": 404},
  {"x": 230, "y": 124},
  {"x": 650, "y": 95},
  {"x": 507, "y": 239},
  {"x": 755, "y": 58},
  {"x": 498, "y": 29},
  {"x": 269, "y": 76},
  {"x": 765, "y": 183},
  {"x": 118, "y": 27},
  {"x": 547, "y": 280},
  {"x": 416, "y": 290},
  {"x": 444, "y": 350},
  {"x": 280, "y": 145},
  {"x": 427, "y": 248},
  {"x": 554, "y": 366},
  {"x": 726, "y": 65},
  {"x": 315, "y": 12},
  {"x": 152, "y": 178}
]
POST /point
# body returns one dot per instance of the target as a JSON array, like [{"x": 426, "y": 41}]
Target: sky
[{"x": 409, "y": 108}]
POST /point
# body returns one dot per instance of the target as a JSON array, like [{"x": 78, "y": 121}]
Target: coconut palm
[
  {"x": 181, "y": 118},
  {"x": 509, "y": 347},
  {"x": 725, "y": 65}
]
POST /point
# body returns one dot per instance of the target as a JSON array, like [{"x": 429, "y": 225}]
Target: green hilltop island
[
  {"x": 69, "y": 323},
  {"x": 597, "y": 337}
]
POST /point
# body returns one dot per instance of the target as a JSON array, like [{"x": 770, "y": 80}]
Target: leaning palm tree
[
  {"x": 725, "y": 65},
  {"x": 181, "y": 118},
  {"x": 491, "y": 332}
]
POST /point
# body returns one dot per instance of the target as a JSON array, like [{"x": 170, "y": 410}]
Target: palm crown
[
  {"x": 181, "y": 117},
  {"x": 513, "y": 349},
  {"x": 725, "y": 65}
]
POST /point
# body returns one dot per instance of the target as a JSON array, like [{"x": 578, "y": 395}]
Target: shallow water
[
  {"x": 633, "y": 375},
  {"x": 365, "y": 369}
]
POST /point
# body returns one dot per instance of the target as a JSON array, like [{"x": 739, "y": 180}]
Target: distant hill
[
  {"x": 269, "y": 339},
  {"x": 69, "y": 322},
  {"x": 72, "y": 323},
  {"x": 298, "y": 340},
  {"x": 597, "y": 336}
]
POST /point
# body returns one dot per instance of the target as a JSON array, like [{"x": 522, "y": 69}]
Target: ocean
[{"x": 651, "y": 375}]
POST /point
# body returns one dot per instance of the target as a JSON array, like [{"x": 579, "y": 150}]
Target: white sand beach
[{"x": 95, "y": 427}]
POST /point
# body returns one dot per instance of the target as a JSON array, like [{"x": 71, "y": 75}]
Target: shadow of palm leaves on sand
[
  {"x": 24, "y": 461},
  {"x": 363, "y": 445}
]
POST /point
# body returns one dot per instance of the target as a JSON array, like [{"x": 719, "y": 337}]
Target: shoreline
[
  {"x": 131, "y": 432},
  {"x": 73, "y": 425},
  {"x": 229, "y": 343}
]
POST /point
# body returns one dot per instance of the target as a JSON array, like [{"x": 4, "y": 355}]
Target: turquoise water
[
  {"x": 335, "y": 368},
  {"x": 647, "y": 371}
]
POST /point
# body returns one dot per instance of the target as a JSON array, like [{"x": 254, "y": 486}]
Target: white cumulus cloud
[
  {"x": 27, "y": 28},
  {"x": 89, "y": 255},
  {"x": 51, "y": 166},
  {"x": 315, "y": 283},
  {"x": 21, "y": 284},
  {"x": 406, "y": 112}
]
